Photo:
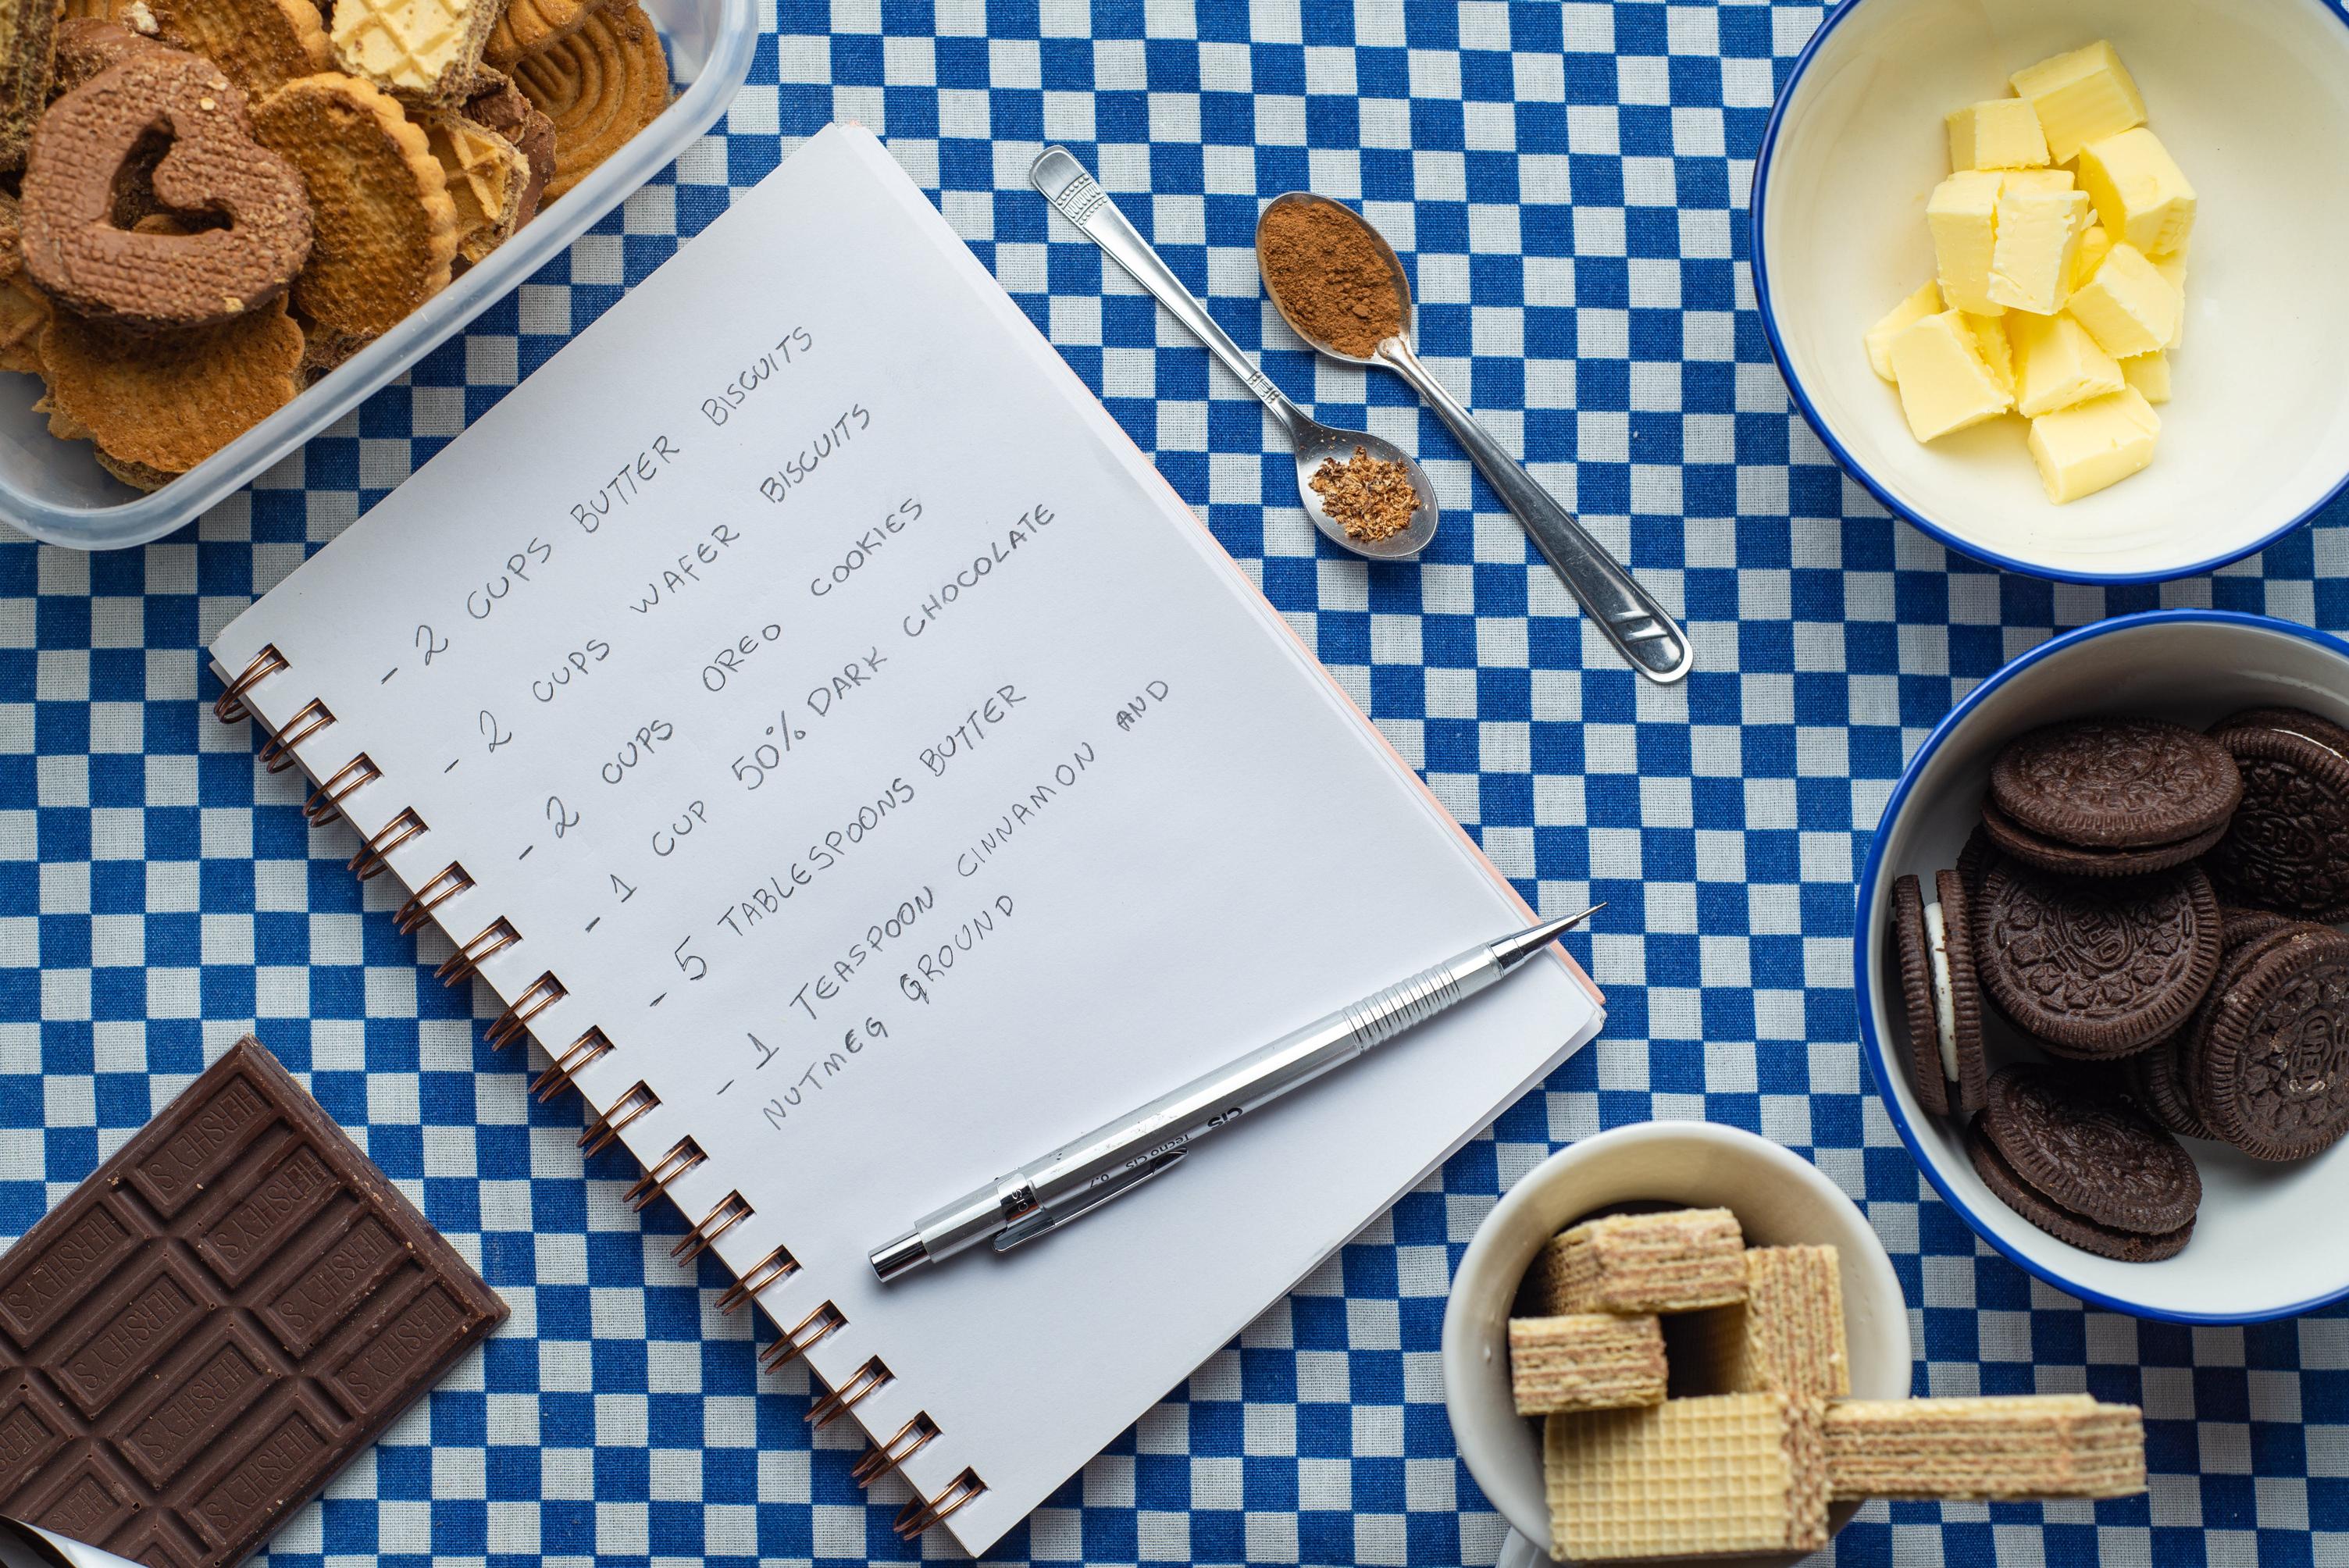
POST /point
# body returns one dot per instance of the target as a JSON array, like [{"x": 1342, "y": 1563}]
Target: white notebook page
[{"x": 1065, "y": 817}]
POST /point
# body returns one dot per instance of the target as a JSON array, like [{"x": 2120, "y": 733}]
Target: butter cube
[
  {"x": 2081, "y": 450},
  {"x": 1998, "y": 133},
  {"x": 2080, "y": 97},
  {"x": 2174, "y": 269},
  {"x": 2094, "y": 246},
  {"x": 1997, "y": 351},
  {"x": 2150, "y": 374},
  {"x": 2056, "y": 364},
  {"x": 2127, "y": 307},
  {"x": 1962, "y": 214},
  {"x": 1925, "y": 302},
  {"x": 2039, "y": 220},
  {"x": 2141, "y": 194},
  {"x": 1945, "y": 384}
]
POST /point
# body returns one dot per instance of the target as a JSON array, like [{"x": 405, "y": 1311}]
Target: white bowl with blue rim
[
  {"x": 2265, "y": 1243},
  {"x": 2252, "y": 99}
]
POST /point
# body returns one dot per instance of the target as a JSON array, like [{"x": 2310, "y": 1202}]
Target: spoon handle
[
  {"x": 1072, "y": 191},
  {"x": 1640, "y": 628}
]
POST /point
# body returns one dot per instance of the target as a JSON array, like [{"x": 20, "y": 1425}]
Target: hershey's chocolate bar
[{"x": 213, "y": 1324}]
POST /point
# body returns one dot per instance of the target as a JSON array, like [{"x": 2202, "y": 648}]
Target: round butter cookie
[
  {"x": 600, "y": 86},
  {"x": 166, "y": 401}
]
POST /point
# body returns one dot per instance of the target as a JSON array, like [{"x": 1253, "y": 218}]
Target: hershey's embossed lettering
[
  {"x": 323, "y": 1294},
  {"x": 297, "y": 1188},
  {"x": 133, "y": 1333},
  {"x": 183, "y": 1163},
  {"x": 53, "y": 1276},
  {"x": 228, "y": 1380}
]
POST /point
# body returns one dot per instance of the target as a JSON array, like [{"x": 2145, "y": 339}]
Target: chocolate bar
[{"x": 216, "y": 1322}]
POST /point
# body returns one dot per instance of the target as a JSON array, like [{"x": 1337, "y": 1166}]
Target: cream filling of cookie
[{"x": 1945, "y": 992}]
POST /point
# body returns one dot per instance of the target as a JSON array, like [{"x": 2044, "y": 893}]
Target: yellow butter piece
[
  {"x": 1996, "y": 349},
  {"x": 2081, "y": 450},
  {"x": 2094, "y": 246},
  {"x": 2081, "y": 97},
  {"x": 1997, "y": 133},
  {"x": 2128, "y": 307},
  {"x": 2174, "y": 269},
  {"x": 2141, "y": 194},
  {"x": 2056, "y": 364},
  {"x": 2040, "y": 218},
  {"x": 1945, "y": 384},
  {"x": 1962, "y": 214},
  {"x": 1925, "y": 302},
  {"x": 2150, "y": 374}
]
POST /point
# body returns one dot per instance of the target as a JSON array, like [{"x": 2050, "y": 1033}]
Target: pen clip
[{"x": 1052, "y": 1219}]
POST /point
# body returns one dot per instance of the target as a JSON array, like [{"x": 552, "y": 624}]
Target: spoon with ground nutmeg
[
  {"x": 1358, "y": 475},
  {"x": 1338, "y": 283}
]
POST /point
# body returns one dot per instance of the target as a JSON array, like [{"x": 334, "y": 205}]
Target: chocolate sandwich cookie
[
  {"x": 1914, "y": 953},
  {"x": 2287, "y": 847},
  {"x": 2115, "y": 783},
  {"x": 2048, "y": 854},
  {"x": 2271, "y": 1074},
  {"x": 2105, "y": 1241},
  {"x": 1975, "y": 860},
  {"x": 2156, "y": 1081},
  {"x": 2298, "y": 720},
  {"x": 1962, "y": 1055},
  {"x": 2071, "y": 1138},
  {"x": 2238, "y": 923},
  {"x": 2096, "y": 968}
]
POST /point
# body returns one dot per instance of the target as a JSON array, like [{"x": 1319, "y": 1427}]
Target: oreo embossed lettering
[
  {"x": 140, "y": 1330},
  {"x": 290, "y": 1194},
  {"x": 214, "y": 1395},
  {"x": 323, "y": 1294},
  {"x": 55, "y": 1277},
  {"x": 275, "y": 1469},
  {"x": 180, "y": 1166},
  {"x": 419, "y": 1331}
]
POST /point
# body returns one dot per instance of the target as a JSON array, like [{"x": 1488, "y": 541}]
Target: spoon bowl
[{"x": 1318, "y": 443}]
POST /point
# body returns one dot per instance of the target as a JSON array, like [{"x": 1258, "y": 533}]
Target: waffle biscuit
[
  {"x": 387, "y": 228},
  {"x": 1737, "y": 1472},
  {"x": 2024, "y": 1446},
  {"x": 529, "y": 26},
  {"x": 1674, "y": 1262},
  {"x": 27, "y": 57},
  {"x": 1785, "y": 1338},
  {"x": 1585, "y": 1361},
  {"x": 600, "y": 86},
  {"x": 423, "y": 52},
  {"x": 486, "y": 175},
  {"x": 497, "y": 104},
  {"x": 260, "y": 43},
  {"x": 167, "y": 402}
]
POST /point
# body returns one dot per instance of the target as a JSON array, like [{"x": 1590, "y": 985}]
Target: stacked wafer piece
[{"x": 1695, "y": 1398}]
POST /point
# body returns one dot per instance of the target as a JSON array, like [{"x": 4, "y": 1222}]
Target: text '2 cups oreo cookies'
[
  {"x": 2063, "y": 1148},
  {"x": 2287, "y": 846},
  {"x": 2096, "y": 969}
]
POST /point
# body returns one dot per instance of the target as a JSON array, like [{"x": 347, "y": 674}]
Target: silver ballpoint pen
[{"x": 1119, "y": 1156}]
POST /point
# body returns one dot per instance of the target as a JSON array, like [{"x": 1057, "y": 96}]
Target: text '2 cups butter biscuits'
[
  {"x": 2271, "y": 1074},
  {"x": 166, "y": 401},
  {"x": 2115, "y": 783},
  {"x": 2074, "y": 1142},
  {"x": 2096, "y": 968},
  {"x": 156, "y": 281},
  {"x": 600, "y": 86},
  {"x": 2287, "y": 847}
]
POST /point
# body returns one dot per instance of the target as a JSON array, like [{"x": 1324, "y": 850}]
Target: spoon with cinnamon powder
[{"x": 1339, "y": 285}]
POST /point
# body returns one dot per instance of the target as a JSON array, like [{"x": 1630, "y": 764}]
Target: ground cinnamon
[{"x": 1329, "y": 276}]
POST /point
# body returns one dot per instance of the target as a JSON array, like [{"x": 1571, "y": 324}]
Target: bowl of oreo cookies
[{"x": 2102, "y": 981}]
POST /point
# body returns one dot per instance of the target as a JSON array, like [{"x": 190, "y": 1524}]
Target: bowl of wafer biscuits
[{"x": 224, "y": 223}]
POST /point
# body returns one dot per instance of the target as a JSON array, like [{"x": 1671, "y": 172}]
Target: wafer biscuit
[
  {"x": 1738, "y": 1472},
  {"x": 1785, "y": 1338},
  {"x": 2023, "y": 1446},
  {"x": 1674, "y": 1262},
  {"x": 487, "y": 177},
  {"x": 600, "y": 86},
  {"x": 28, "y": 31},
  {"x": 1585, "y": 1361},
  {"x": 423, "y": 52}
]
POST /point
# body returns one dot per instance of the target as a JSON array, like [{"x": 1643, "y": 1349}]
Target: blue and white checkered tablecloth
[{"x": 1566, "y": 183}]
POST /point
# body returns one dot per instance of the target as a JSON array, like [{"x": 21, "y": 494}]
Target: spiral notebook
[{"x": 858, "y": 771}]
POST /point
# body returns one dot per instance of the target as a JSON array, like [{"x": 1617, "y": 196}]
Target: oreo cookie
[
  {"x": 1913, "y": 951},
  {"x": 1951, "y": 919},
  {"x": 2071, "y": 1141},
  {"x": 2096, "y": 968},
  {"x": 2287, "y": 847},
  {"x": 2270, "y": 1073},
  {"x": 2021, "y": 843},
  {"x": 2105, "y": 1241},
  {"x": 2115, "y": 783}
]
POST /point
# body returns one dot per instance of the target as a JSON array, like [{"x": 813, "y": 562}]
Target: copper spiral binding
[
  {"x": 821, "y": 1324},
  {"x": 842, "y": 1399},
  {"x": 311, "y": 717},
  {"x": 229, "y": 707},
  {"x": 562, "y": 1069},
  {"x": 444, "y": 884},
  {"x": 776, "y": 1265},
  {"x": 631, "y": 1105},
  {"x": 920, "y": 1514},
  {"x": 487, "y": 943},
  {"x": 326, "y": 803},
  {"x": 682, "y": 1156},
  {"x": 542, "y": 994},
  {"x": 370, "y": 862},
  {"x": 911, "y": 1437},
  {"x": 730, "y": 1212}
]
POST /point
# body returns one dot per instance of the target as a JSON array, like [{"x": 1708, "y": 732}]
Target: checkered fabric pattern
[{"x": 1566, "y": 184}]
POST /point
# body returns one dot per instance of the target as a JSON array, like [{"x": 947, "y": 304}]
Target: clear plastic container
[{"x": 56, "y": 491}]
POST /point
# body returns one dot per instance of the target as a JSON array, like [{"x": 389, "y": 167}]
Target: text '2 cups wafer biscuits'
[{"x": 1674, "y": 1262}]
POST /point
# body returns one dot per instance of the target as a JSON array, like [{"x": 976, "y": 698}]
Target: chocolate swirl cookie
[
  {"x": 2096, "y": 969},
  {"x": 2079, "y": 1144},
  {"x": 2271, "y": 1074},
  {"x": 2287, "y": 847},
  {"x": 2115, "y": 783}
]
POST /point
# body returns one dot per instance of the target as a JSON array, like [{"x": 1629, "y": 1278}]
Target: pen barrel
[{"x": 1377, "y": 1019}]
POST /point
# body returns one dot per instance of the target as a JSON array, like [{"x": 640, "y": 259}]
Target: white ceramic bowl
[
  {"x": 2258, "y": 1249},
  {"x": 56, "y": 491},
  {"x": 1779, "y": 1198},
  {"x": 2252, "y": 96}
]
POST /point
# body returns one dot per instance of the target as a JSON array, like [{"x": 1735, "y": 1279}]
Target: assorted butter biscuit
[
  {"x": 24, "y": 309},
  {"x": 167, "y": 402},
  {"x": 28, "y": 53},
  {"x": 74, "y": 249},
  {"x": 487, "y": 176},
  {"x": 423, "y": 52},
  {"x": 260, "y": 43},
  {"x": 600, "y": 86},
  {"x": 386, "y": 229},
  {"x": 87, "y": 44},
  {"x": 527, "y": 26},
  {"x": 497, "y": 104}
]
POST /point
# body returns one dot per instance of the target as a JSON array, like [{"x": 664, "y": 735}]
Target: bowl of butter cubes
[{"x": 2058, "y": 280}]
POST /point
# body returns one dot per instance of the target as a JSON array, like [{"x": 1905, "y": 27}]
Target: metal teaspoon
[
  {"x": 1073, "y": 192},
  {"x": 1626, "y": 613}
]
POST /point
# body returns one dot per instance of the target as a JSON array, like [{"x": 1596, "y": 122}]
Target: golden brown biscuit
[
  {"x": 487, "y": 175},
  {"x": 423, "y": 52},
  {"x": 24, "y": 309},
  {"x": 166, "y": 401},
  {"x": 499, "y": 105},
  {"x": 260, "y": 43},
  {"x": 138, "y": 476},
  {"x": 529, "y": 26},
  {"x": 386, "y": 227},
  {"x": 600, "y": 86},
  {"x": 27, "y": 57}
]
